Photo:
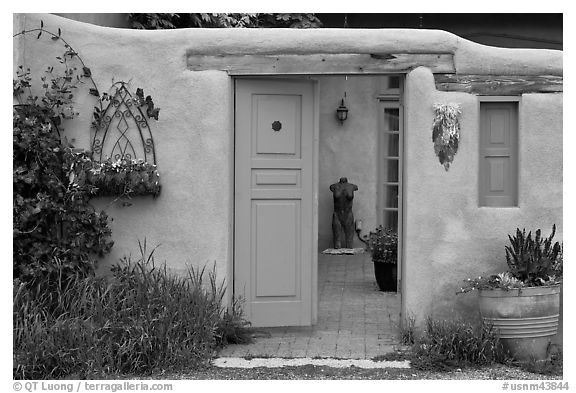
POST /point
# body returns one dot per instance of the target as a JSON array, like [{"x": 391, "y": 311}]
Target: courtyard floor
[{"x": 355, "y": 319}]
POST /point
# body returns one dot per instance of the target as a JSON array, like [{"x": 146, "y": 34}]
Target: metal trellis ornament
[{"x": 122, "y": 129}]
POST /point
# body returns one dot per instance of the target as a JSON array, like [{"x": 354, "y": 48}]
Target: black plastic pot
[{"x": 386, "y": 276}]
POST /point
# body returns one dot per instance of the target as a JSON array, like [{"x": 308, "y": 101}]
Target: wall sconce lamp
[{"x": 342, "y": 112}]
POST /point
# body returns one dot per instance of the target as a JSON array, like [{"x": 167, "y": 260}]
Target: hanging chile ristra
[{"x": 446, "y": 132}]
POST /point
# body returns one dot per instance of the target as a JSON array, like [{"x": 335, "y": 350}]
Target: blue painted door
[{"x": 274, "y": 258}]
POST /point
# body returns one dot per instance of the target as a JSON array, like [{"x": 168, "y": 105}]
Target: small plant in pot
[
  {"x": 523, "y": 303},
  {"x": 383, "y": 245}
]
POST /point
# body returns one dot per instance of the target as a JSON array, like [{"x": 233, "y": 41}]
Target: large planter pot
[
  {"x": 386, "y": 276},
  {"x": 525, "y": 319}
]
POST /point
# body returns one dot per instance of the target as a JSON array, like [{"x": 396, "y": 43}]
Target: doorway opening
[
  {"x": 366, "y": 149},
  {"x": 350, "y": 316}
]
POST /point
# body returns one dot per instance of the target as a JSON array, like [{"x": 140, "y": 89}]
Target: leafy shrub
[
  {"x": 153, "y": 21},
  {"x": 220, "y": 20},
  {"x": 121, "y": 178},
  {"x": 141, "y": 319},
  {"x": 449, "y": 344},
  {"x": 504, "y": 280},
  {"x": 533, "y": 261},
  {"x": 383, "y": 244},
  {"x": 55, "y": 230},
  {"x": 298, "y": 21}
]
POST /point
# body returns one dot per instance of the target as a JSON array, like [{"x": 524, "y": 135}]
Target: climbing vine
[
  {"x": 57, "y": 103},
  {"x": 56, "y": 232}
]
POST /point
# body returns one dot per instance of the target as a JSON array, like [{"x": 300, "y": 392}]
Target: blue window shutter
[{"x": 498, "y": 154}]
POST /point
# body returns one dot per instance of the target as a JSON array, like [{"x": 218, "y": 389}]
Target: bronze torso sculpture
[{"x": 342, "y": 218}]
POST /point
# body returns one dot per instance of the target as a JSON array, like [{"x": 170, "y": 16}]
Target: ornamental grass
[
  {"x": 141, "y": 319},
  {"x": 447, "y": 344}
]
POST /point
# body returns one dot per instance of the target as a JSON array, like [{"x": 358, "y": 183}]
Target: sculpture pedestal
[{"x": 343, "y": 251}]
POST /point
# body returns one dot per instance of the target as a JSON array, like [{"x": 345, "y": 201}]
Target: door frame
[
  {"x": 315, "y": 174},
  {"x": 394, "y": 98},
  {"x": 315, "y": 162}
]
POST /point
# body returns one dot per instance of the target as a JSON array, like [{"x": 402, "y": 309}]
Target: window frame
[{"x": 499, "y": 99}]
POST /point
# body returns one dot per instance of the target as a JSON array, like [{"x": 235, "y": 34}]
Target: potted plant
[
  {"x": 523, "y": 303},
  {"x": 383, "y": 245}
]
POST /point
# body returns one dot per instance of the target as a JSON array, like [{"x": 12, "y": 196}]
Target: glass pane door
[{"x": 390, "y": 168}]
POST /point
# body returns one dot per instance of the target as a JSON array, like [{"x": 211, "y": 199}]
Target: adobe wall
[
  {"x": 191, "y": 220},
  {"x": 448, "y": 237}
]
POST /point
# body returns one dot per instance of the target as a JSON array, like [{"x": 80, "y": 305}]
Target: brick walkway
[{"x": 355, "y": 320}]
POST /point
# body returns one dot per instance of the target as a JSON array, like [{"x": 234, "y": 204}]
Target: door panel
[
  {"x": 274, "y": 260},
  {"x": 277, "y": 259},
  {"x": 282, "y": 137},
  {"x": 282, "y": 178}
]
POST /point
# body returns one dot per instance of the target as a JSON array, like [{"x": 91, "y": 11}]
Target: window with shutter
[{"x": 498, "y": 154}]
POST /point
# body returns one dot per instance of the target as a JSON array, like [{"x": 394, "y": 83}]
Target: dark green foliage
[
  {"x": 534, "y": 261},
  {"x": 223, "y": 20},
  {"x": 122, "y": 178},
  {"x": 558, "y": 266},
  {"x": 99, "y": 113},
  {"x": 449, "y": 344},
  {"x": 298, "y": 21},
  {"x": 141, "y": 319},
  {"x": 383, "y": 244},
  {"x": 55, "y": 230},
  {"x": 56, "y": 233},
  {"x": 205, "y": 20},
  {"x": 219, "y": 20},
  {"x": 56, "y": 100},
  {"x": 153, "y": 21}
]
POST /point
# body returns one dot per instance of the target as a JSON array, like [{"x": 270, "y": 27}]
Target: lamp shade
[{"x": 342, "y": 112}]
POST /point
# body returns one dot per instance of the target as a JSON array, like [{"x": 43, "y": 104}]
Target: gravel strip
[
  {"x": 231, "y": 362},
  {"x": 311, "y": 372},
  {"x": 315, "y": 372}
]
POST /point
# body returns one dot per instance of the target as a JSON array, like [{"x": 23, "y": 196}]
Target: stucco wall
[
  {"x": 447, "y": 236},
  {"x": 348, "y": 150},
  {"x": 191, "y": 221}
]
